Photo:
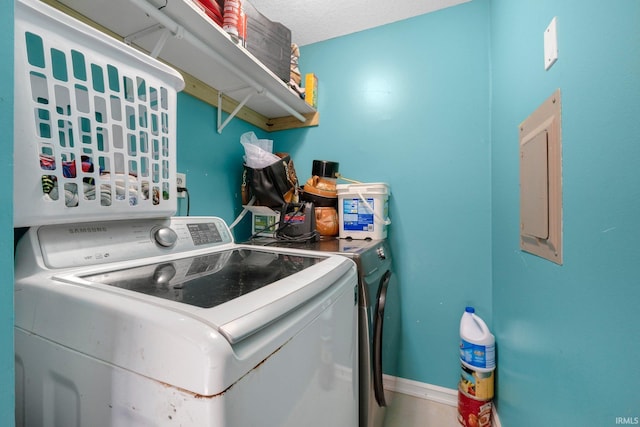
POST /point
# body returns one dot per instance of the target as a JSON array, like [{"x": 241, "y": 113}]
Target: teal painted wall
[
  {"x": 211, "y": 161},
  {"x": 568, "y": 336},
  {"x": 7, "y": 416},
  {"x": 408, "y": 104}
]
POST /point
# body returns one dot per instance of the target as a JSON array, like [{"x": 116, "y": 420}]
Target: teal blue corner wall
[
  {"x": 408, "y": 104},
  {"x": 212, "y": 162},
  {"x": 568, "y": 336},
  {"x": 7, "y": 416}
]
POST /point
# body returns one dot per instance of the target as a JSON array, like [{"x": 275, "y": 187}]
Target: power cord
[
  {"x": 282, "y": 237},
  {"x": 279, "y": 229},
  {"x": 339, "y": 176},
  {"x": 180, "y": 190},
  {"x": 262, "y": 230},
  {"x": 312, "y": 235}
]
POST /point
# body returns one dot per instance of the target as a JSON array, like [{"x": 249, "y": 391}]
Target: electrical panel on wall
[{"x": 541, "y": 181}]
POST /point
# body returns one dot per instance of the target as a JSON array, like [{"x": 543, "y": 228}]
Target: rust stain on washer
[{"x": 211, "y": 396}]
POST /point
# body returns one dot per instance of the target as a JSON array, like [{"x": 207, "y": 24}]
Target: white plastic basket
[{"x": 95, "y": 124}]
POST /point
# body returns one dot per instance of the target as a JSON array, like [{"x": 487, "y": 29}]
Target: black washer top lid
[{"x": 325, "y": 168}]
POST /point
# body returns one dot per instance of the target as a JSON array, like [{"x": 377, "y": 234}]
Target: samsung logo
[{"x": 87, "y": 230}]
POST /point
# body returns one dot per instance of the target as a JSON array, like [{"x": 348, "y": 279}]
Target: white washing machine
[{"x": 168, "y": 322}]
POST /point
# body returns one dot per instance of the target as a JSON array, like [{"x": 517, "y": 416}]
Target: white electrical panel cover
[{"x": 541, "y": 181}]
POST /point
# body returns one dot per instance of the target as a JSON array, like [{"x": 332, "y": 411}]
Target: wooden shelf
[{"x": 212, "y": 64}]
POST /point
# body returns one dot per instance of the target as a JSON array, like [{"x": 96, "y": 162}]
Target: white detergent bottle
[{"x": 477, "y": 343}]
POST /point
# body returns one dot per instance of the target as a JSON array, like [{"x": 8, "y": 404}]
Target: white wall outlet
[
  {"x": 551, "y": 44},
  {"x": 181, "y": 181}
]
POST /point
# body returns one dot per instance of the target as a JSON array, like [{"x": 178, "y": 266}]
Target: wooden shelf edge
[
  {"x": 206, "y": 93},
  {"x": 202, "y": 91},
  {"x": 290, "y": 122}
]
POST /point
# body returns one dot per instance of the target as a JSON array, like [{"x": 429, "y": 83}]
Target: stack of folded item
[{"x": 212, "y": 8}]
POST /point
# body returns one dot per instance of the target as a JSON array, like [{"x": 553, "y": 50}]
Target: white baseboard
[
  {"x": 430, "y": 392},
  {"x": 495, "y": 418}
]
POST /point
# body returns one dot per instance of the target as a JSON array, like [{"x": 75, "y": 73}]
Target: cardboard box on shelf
[
  {"x": 311, "y": 89},
  {"x": 269, "y": 42}
]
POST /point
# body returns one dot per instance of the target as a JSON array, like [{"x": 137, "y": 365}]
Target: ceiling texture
[{"x": 312, "y": 21}]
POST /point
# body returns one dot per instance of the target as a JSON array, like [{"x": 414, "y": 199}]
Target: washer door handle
[{"x": 381, "y": 301}]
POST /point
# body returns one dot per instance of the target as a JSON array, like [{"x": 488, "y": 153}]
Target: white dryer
[
  {"x": 378, "y": 319},
  {"x": 168, "y": 322}
]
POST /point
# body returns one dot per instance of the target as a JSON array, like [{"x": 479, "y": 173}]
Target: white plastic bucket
[
  {"x": 477, "y": 343},
  {"x": 363, "y": 210}
]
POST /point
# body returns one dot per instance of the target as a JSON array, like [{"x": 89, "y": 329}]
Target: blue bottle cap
[{"x": 470, "y": 310}]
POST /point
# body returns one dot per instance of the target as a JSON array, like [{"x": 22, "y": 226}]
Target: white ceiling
[{"x": 311, "y": 21}]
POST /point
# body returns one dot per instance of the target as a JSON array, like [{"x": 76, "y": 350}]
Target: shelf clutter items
[
  {"x": 270, "y": 192},
  {"x": 320, "y": 190},
  {"x": 268, "y": 41},
  {"x": 213, "y": 9},
  {"x": 280, "y": 208},
  {"x": 269, "y": 184},
  {"x": 311, "y": 89},
  {"x": 234, "y": 21},
  {"x": 477, "y": 364},
  {"x": 269, "y": 178},
  {"x": 95, "y": 124}
]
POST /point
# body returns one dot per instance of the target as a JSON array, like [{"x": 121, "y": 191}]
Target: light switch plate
[{"x": 551, "y": 44}]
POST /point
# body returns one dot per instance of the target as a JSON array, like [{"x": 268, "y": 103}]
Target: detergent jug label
[
  {"x": 478, "y": 355},
  {"x": 357, "y": 216}
]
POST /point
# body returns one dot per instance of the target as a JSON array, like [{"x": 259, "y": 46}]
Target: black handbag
[{"x": 272, "y": 186}]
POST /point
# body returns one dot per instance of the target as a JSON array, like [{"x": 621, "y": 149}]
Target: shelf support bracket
[
  {"x": 164, "y": 36},
  {"x": 160, "y": 43},
  {"x": 141, "y": 33},
  {"x": 233, "y": 113}
]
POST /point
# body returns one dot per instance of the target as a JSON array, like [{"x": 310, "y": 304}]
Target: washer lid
[
  {"x": 208, "y": 280},
  {"x": 238, "y": 291}
]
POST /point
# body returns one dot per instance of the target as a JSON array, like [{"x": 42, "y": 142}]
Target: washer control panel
[
  {"x": 84, "y": 244},
  {"x": 165, "y": 236}
]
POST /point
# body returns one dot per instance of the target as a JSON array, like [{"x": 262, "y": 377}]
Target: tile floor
[{"x": 409, "y": 411}]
